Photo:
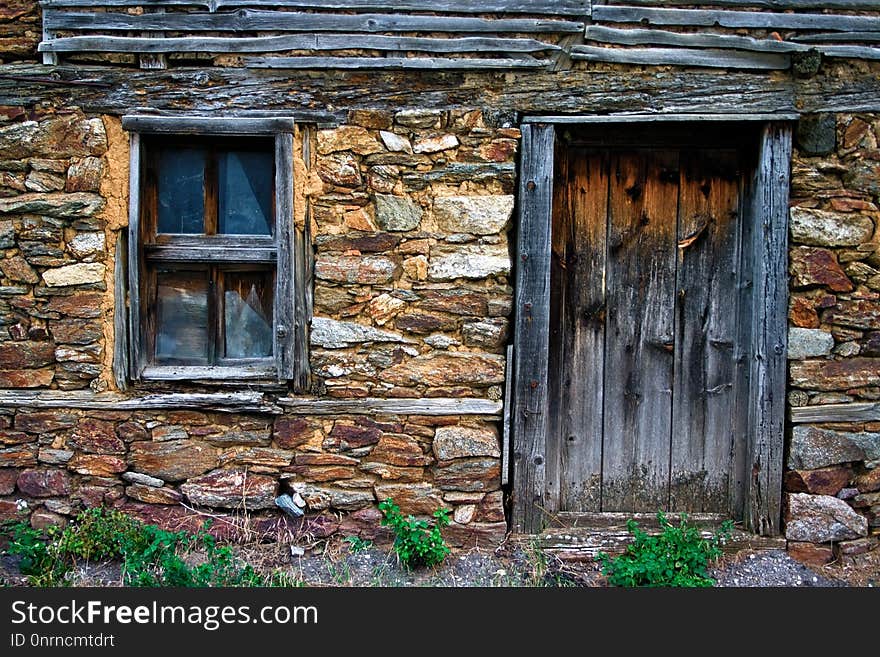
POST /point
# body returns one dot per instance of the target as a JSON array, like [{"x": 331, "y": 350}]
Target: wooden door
[{"x": 643, "y": 325}]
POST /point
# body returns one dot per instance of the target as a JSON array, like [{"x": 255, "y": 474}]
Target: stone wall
[
  {"x": 833, "y": 469},
  {"x": 411, "y": 299}
]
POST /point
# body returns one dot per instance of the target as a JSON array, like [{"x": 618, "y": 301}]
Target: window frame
[{"x": 285, "y": 249}]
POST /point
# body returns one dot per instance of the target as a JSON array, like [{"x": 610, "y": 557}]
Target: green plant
[
  {"x": 678, "y": 556},
  {"x": 150, "y": 556},
  {"x": 416, "y": 543},
  {"x": 356, "y": 544}
]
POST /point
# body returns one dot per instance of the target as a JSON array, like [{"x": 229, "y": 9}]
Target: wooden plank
[
  {"x": 531, "y": 92},
  {"x": 550, "y": 7},
  {"x": 837, "y": 37},
  {"x": 769, "y": 333},
  {"x": 713, "y": 18},
  {"x": 639, "y": 331},
  {"x": 531, "y": 329},
  {"x": 229, "y": 402},
  {"x": 374, "y": 63},
  {"x": 163, "y": 253},
  {"x": 120, "y": 312},
  {"x": 286, "y": 316},
  {"x": 763, "y": 4},
  {"x": 852, "y": 412},
  {"x": 580, "y": 219},
  {"x": 635, "y": 37},
  {"x": 705, "y": 332},
  {"x": 206, "y": 125},
  {"x": 210, "y": 372},
  {"x": 290, "y": 42},
  {"x": 849, "y": 52},
  {"x": 246, "y": 20},
  {"x": 374, "y": 405},
  {"x": 683, "y": 57},
  {"x": 506, "y": 412},
  {"x": 656, "y": 118},
  {"x": 135, "y": 345}
]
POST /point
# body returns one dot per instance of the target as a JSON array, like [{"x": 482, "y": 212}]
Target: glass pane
[
  {"x": 245, "y": 192},
  {"x": 248, "y": 314},
  {"x": 181, "y": 190},
  {"x": 182, "y": 316}
]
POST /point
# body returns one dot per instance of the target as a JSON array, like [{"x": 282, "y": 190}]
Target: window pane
[
  {"x": 245, "y": 192},
  {"x": 182, "y": 316},
  {"x": 181, "y": 190},
  {"x": 247, "y": 325}
]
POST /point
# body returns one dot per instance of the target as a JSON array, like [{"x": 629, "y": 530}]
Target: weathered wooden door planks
[{"x": 642, "y": 328}]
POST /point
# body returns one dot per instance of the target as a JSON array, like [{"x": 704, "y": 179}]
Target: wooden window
[{"x": 212, "y": 262}]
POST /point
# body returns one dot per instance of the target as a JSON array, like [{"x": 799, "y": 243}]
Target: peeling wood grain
[
  {"x": 231, "y": 402},
  {"x": 683, "y": 57},
  {"x": 635, "y": 37},
  {"x": 363, "y": 63},
  {"x": 757, "y": 19},
  {"x": 551, "y": 7},
  {"x": 853, "y": 412},
  {"x": 291, "y": 42},
  {"x": 372, "y": 405},
  {"x": 246, "y": 20}
]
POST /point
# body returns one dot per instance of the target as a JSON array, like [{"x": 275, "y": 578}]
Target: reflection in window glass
[
  {"x": 181, "y": 190},
  {"x": 182, "y": 316},
  {"x": 245, "y": 192},
  {"x": 248, "y": 314}
]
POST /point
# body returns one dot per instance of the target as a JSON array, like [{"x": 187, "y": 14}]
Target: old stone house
[{"x": 538, "y": 261}]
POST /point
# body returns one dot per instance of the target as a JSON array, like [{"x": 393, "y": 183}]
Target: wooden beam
[
  {"x": 853, "y": 412},
  {"x": 290, "y": 42},
  {"x": 164, "y": 253},
  {"x": 549, "y": 7},
  {"x": 710, "y": 18},
  {"x": 373, "y": 405},
  {"x": 382, "y": 63},
  {"x": 654, "y": 118},
  {"x": 135, "y": 161},
  {"x": 637, "y": 37},
  {"x": 849, "y": 52},
  {"x": 532, "y": 327},
  {"x": 206, "y": 125},
  {"x": 120, "y": 312},
  {"x": 837, "y": 37},
  {"x": 683, "y": 57},
  {"x": 506, "y": 416},
  {"x": 854, "y": 5},
  {"x": 230, "y": 402},
  {"x": 284, "y": 314},
  {"x": 246, "y": 20},
  {"x": 769, "y": 319}
]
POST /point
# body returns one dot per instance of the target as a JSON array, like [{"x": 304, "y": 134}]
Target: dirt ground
[{"x": 341, "y": 563}]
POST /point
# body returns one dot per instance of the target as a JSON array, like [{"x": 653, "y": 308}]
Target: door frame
[{"x": 761, "y": 351}]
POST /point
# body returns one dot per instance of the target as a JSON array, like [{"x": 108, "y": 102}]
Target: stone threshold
[{"x": 582, "y": 536}]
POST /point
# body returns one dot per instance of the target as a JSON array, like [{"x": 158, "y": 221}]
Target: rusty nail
[{"x": 530, "y": 185}]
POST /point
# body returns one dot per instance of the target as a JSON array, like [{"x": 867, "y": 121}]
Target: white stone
[
  {"x": 395, "y": 143},
  {"x": 333, "y": 334},
  {"x": 823, "y": 228},
  {"x": 78, "y": 274},
  {"x": 436, "y": 144},
  {"x": 479, "y": 215},
  {"x": 440, "y": 341},
  {"x": 808, "y": 343},
  {"x": 146, "y": 480},
  {"x": 465, "y": 513},
  {"x": 473, "y": 261},
  {"x": 85, "y": 245}
]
